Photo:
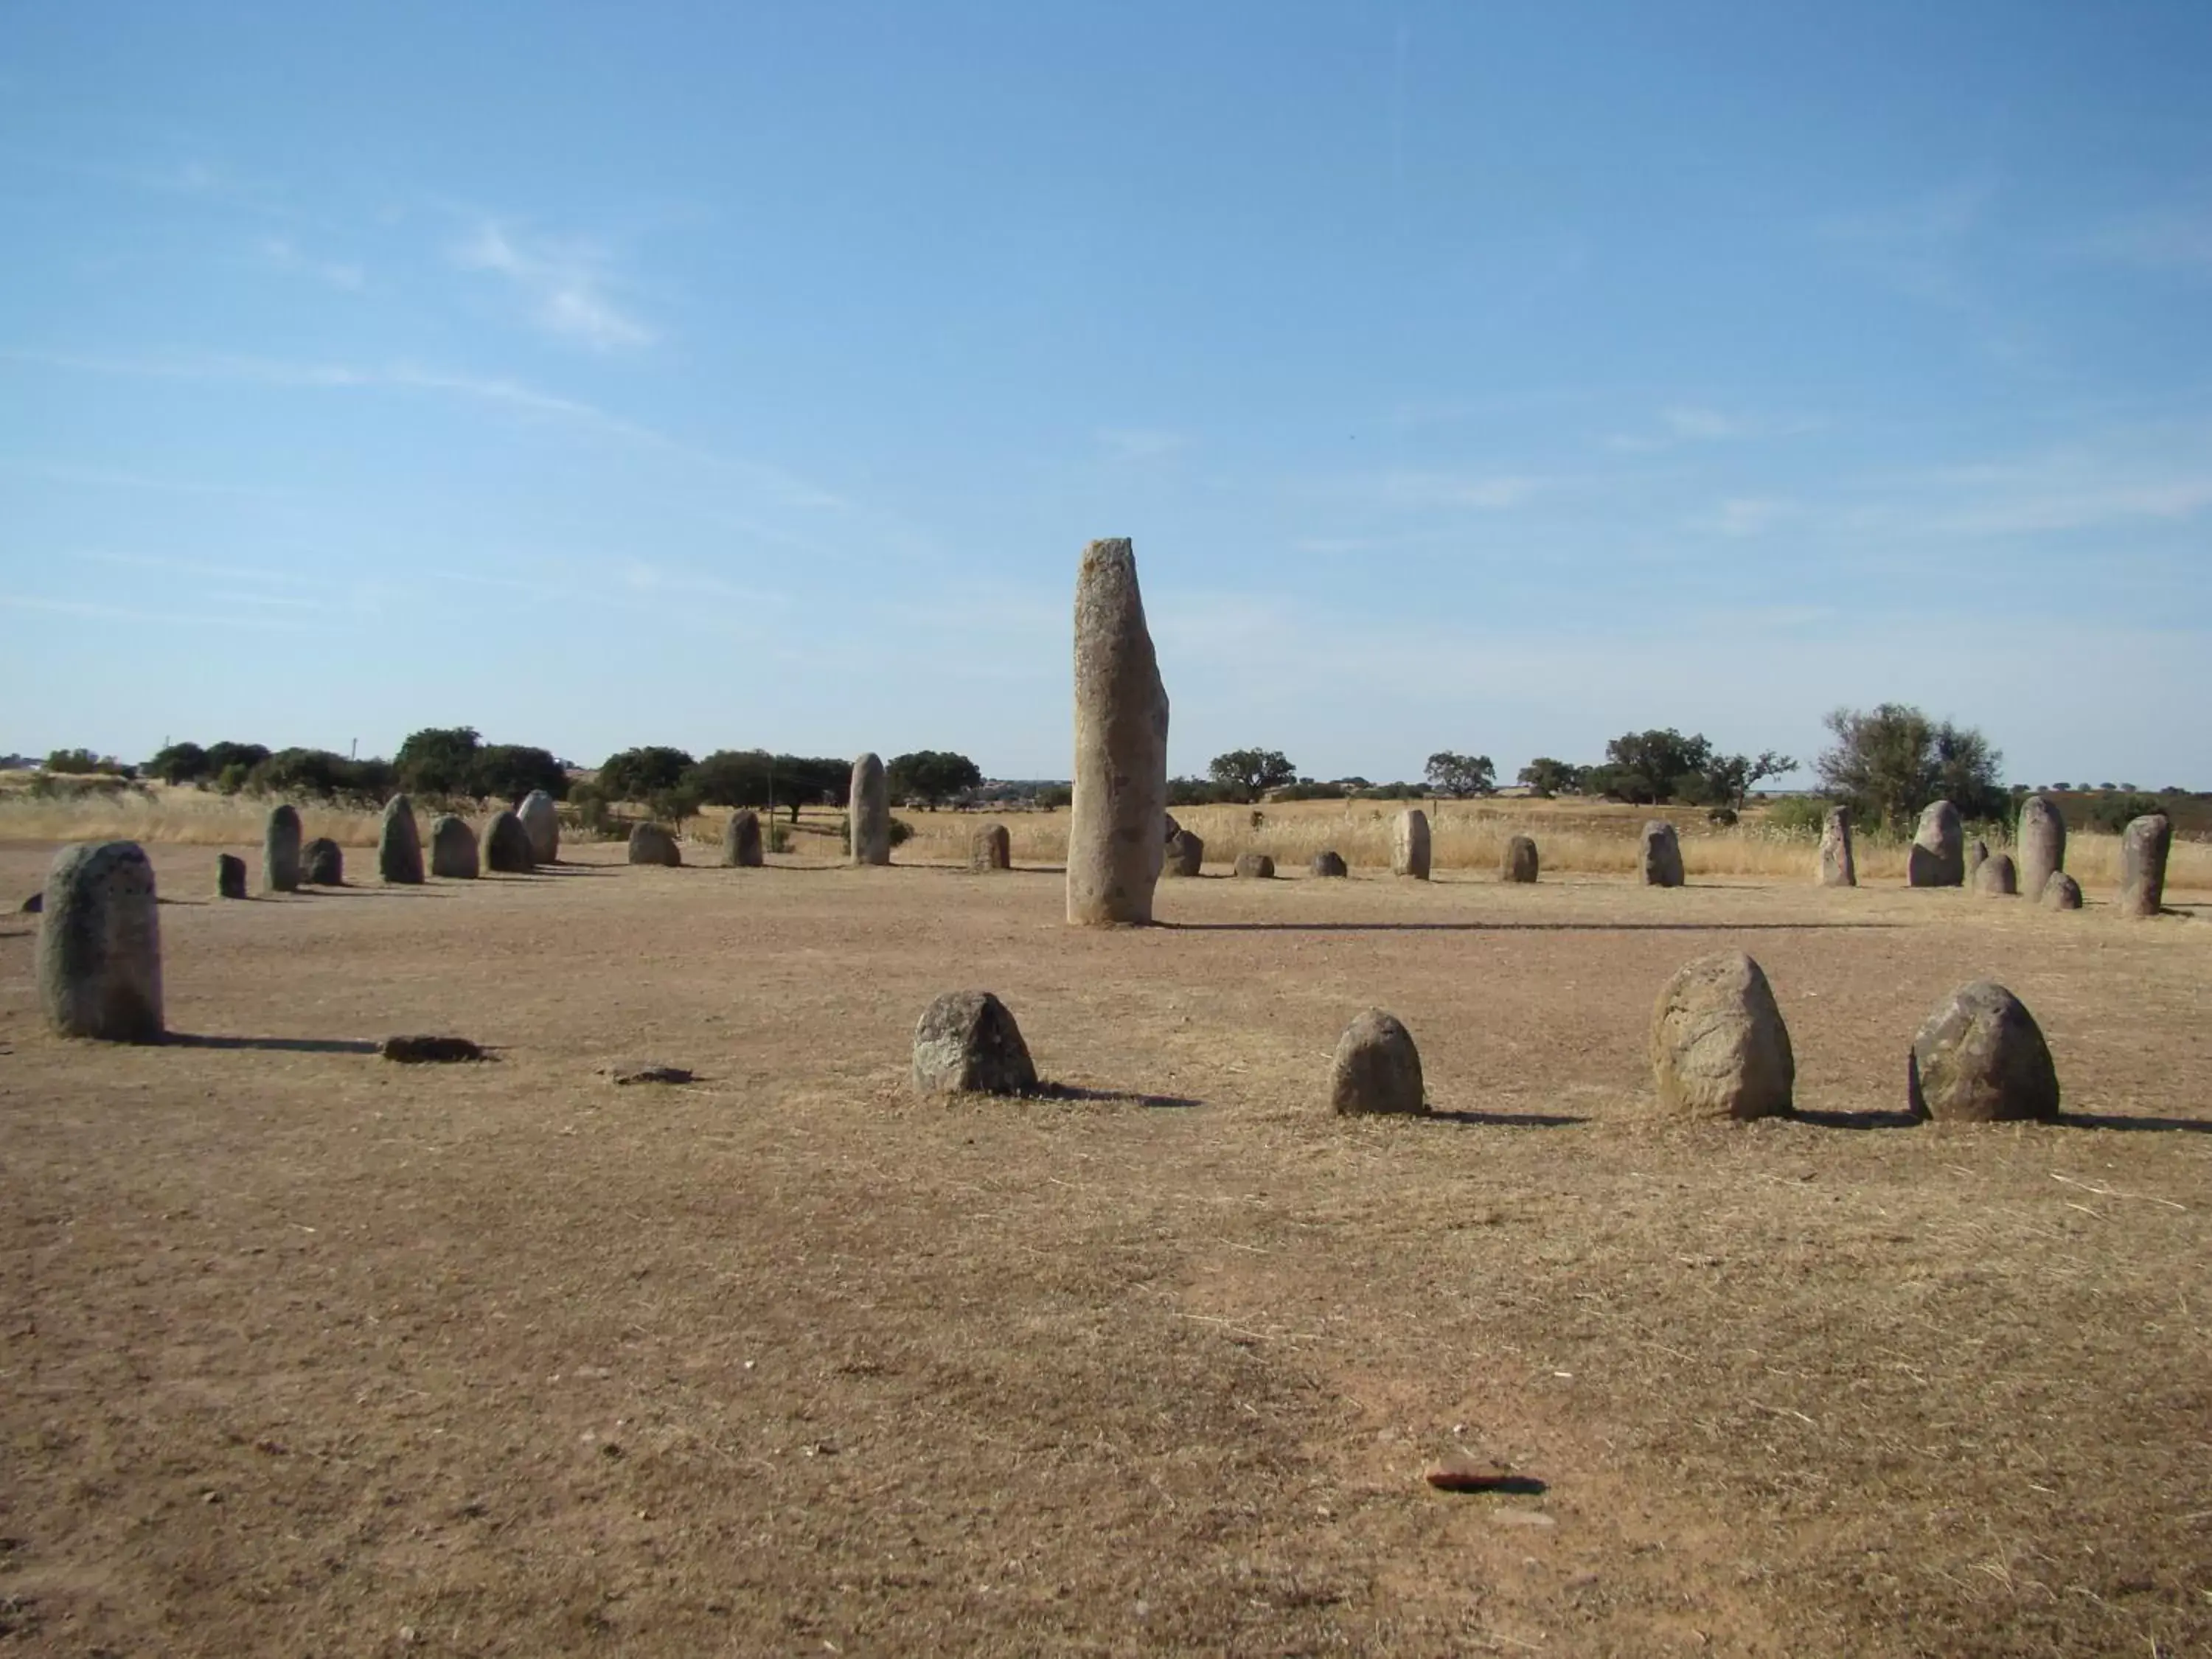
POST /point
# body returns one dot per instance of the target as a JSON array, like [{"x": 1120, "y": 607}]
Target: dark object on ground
[{"x": 428, "y": 1050}]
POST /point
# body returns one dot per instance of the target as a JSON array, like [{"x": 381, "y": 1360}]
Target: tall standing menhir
[{"x": 1116, "y": 843}]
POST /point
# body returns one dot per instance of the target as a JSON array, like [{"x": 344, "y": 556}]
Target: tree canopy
[
  {"x": 1252, "y": 772},
  {"x": 1892, "y": 760},
  {"x": 1450, "y": 773},
  {"x": 932, "y": 775}
]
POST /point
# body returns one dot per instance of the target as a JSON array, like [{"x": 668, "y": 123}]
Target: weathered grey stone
[
  {"x": 2144, "y": 847},
  {"x": 2061, "y": 892},
  {"x": 741, "y": 841},
  {"x": 1409, "y": 844},
  {"x": 322, "y": 863},
  {"x": 1377, "y": 1068},
  {"x": 99, "y": 954},
  {"x": 1329, "y": 862},
  {"x": 229, "y": 876},
  {"x": 1937, "y": 857},
  {"x": 1185, "y": 853},
  {"x": 280, "y": 850},
  {"x": 868, "y": 812},
  {"x": 1719, "y": 1048},
  {"x": 651, "y": 843},
  {"x": 399, "y": 845},
  {"x": 1255, "y": 866},
  {"x": 1115, "y": 839},
  {"x": 2041, "y": 840},
  {"x": 966, "y": 1042},
  {"x": 1837, "y": 868},
  {"x": 1173, "y": 828},
  {"x": 453, "y": 848},
  {"x": 507, "y": 848},
  {"x": 1659, "y": 856},
  {"x": 1519, "y": 864},
  {"x": 1977, "y": 855},
  {"x": 991, "y": 848},
  {"x": 541, "y": 821},
  {"x": 1980, "y": 1058},
  {"x": 1994, "y": 877}
]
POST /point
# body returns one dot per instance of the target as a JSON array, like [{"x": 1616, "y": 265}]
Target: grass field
[
  {"x": 308, "y": 1353},
  {"x": 1588, "y": 837}
]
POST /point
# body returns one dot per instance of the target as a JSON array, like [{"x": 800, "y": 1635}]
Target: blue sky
[{"x": 1484, "y": 377}]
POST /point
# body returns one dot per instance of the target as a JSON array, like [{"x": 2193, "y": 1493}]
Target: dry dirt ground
[{"x": 304, "y": 1352}]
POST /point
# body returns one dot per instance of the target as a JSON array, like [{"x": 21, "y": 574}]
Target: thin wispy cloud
[
  {"x": 564, "y": 285},
  {"x": 1917, "y": 248},
  {"x": 1680, "y": 424},
  {"x": 285, "y": 254}
]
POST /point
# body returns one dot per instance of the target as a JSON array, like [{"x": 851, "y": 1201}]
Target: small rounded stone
[
  {"x": 1719, "y": 1048},
  {"x": 651, "y": 843},
  {"x": 453, "y": 854},
  {"x": 1185, "y": 853},
  {"x": 967, "y": 1041},
  {"x": 1329, "y": 862},
  {"x": 1980, "y": 1058},
  {"x": 1377, "y": 1068},
  {"x": 507, "y": 848},
  {"x": 1519, "y": 863},
  {"x": 1255, "y": 866}
]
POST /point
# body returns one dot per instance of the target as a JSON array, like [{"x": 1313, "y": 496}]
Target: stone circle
[
  {"x": 1980, "y": 1058},
  {"x": 1719, "y": 1048},
  {"x": 1409, "y": 844},
  {"x": 2144, "y": 846},
  {"x": 1116, "y": 835},
  {"x": 967, "y": 1041},
  {"x": 454, "y": 855},
  {"x": 399, "y": 845},
  {"x": 98, "y": 960},
  {"x": 1377, "y": 1068},
  {"x": 1659, "y": 859},
  {"x": 280, "y": 850},
  {"x": 651, "y": 843},
  {"x": 507, "y": 848},
  {"x": 1518, "y": 866},
  {"x": 1937, "y": 857}
]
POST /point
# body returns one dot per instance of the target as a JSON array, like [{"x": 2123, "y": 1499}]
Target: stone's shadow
[
  {"x": 1504, "y": 1119},
  {"x": 1879, "y": 1118},
  {"x": 1121, "y": 1096},
  {"x": 1520, "y": 926},
  {"x": 272, "y": 1045},
  {"x": 2187, "y": 1126},
  {"x": 1512, "y": 1485},
  {"x": 365, "y": 889}
]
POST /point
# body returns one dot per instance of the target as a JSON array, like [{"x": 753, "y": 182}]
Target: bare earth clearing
[{"x": 305, "y": 1352}]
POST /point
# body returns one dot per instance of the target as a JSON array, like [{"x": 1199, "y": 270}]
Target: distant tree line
[{"x": 440, "y": 762}]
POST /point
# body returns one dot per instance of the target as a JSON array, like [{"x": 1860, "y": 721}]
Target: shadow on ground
[
  {"x": 1522, "y": 926},
  {"x": 272, "y": 1045},
  {"x": 1122, "y": 1097}
]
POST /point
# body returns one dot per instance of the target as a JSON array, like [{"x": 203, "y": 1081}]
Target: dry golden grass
[
  {"x": 302, "y": 1350},
  {"x": 1573, "y": 836}
]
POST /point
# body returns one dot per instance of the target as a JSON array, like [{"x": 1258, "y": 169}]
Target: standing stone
[
  {"x": 1837, "y": 868},
  {"x": 2061, "y": 892},
  {"x": 1519, "y": 864},
  {"x": 1409, "y": 844},
  {"x": 1977, "y": 855},
  {"x": 399, "y": 845},
  {"x": 1719, "y": 1048},
  {"x": 741, "y": 841},
  {"x": 280, "y": 850},
  {"x": 1995, "y": 878},
  {"x": 1185, "y": 853},
  {"x": 541, "y": 820},
  {"x": 1377, "y": 1068},
  {"x": 453, "y": 848},
  {"x": 1329, "y": 862},
  {"x": 1173, "y": 828},
  {"x": 1116, "y": 843},
  {"x": 869, "y": 813},
  {"x": 991, "y": 848},
  {"x": 1659, "y": 860},
  {"x": 507, "y": 848},
  {"x": 99, "y": 955},
  {"x": 229, "y": 876},
  {"x": 1981, "y": 1057},
  {"x": 2041, "y": 840},
  {"x": 2144, "y": 845},
  {"x": 322, "y": 863},
  {"x": 651, "y": 843},
  {"x": 1255, "y": 866},
  {"x": 966, "y": 1042},
  {"x": 1937, "y": 857}
]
